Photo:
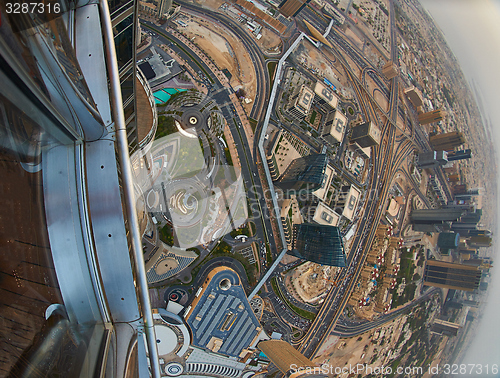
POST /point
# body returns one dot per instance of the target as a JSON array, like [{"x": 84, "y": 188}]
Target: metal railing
[{"x": 128, "y": 187}]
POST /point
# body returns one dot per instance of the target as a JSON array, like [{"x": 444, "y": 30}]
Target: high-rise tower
[
  {"x": 319, "y": 243},
  {"x": 451, "y": 276},
  {"x": 304, "y": 175},
  {"x": 429, "y": 117},
  {"x": 459, "y": 155},
  {"x": 447, "y": 141}
]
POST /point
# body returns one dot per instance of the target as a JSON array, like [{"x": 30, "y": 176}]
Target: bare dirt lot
[{"x": 225, "y": 49}]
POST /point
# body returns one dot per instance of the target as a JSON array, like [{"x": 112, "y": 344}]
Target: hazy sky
[{"x": 472, "y": 29}]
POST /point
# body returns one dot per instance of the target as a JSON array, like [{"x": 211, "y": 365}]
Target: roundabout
[{"x": 192, "y": 117}]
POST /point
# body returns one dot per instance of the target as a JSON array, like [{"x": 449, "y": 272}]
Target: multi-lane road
[
  {"x": 387, "y": 159},
  {"x": 351, "y": 329},
  {"x": 251, "y": 47}
]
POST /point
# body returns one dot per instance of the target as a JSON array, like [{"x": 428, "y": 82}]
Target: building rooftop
[
  {"x": 352, "y": 201},
  {"x": 322, "y": 192},
  {"x": 326, "y": 216},
  {"x": 326, "y": 94},
  {"x": 338, "y": 126},
  {"x": 221, "y": 318},
  {"x": 305, "y": 99},
  {"x": 147, "y": 70}
]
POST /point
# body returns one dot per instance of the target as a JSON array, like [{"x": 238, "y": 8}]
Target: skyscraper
[
  {"x": 460, "y": 155},
  {"x": 432, "y": 159},
  {"x": 366, "y": 135},
  {"x": 430, "y": 216},
  {"x": 443, "y": 327},
  {"x": 318, "y": 243},
  {"x": 302, "y": 102},
  {"x": 468, "y": 221},
  {"x": 414, "y": 95},
  {"x": 334, "y": 129},
  {"x": 429, "y": 117},
  {"x": 447, "y": 141},
  {"x": 451, "y": 276},
  {"x": 163, "y": 7},
  {"x": 304, "y": 175},
  {"x": 479, "y": 241},
  {"x": 448, "y": 240},
  {"x": 73, "y": 107}
]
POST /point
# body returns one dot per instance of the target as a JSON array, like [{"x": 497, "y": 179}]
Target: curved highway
[{"x": 262, "y": 76}]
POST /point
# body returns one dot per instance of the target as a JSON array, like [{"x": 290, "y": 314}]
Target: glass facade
[
  {"x": 124, "y": 41},
  {"x": 451, "y": 275},
  {"x": 70, "y": 301},
  {"x": 305, "y": 174},
  {"x": 319, "y": 243}
]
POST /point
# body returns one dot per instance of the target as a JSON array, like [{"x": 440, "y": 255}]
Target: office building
[
  {"x": 325, "y": 97},
  {"x": 479, "y": 233},
  {"x": 477, "y": 262},
  {"x": 335, "y": 126},
  {"x": 322, "y": 214},
  {"x": 346, "y": 201},
  {"x": 430, "y": 117},
  {"x": 163, "y": 7},
  {"x": 304, "y": 175},
  {"x": 479, "y": 241},
  {"x": 414, "y": 95},
  {"x": 290, "y": 8},
  {"x": 73, "y": 112},
  {"x": 301, "y": 103},
  {"x": 390, "y": 70},
  {"x": 470, "y": 303},
  {"x": 468, "y": 194},
  {"x": 432, "y": 159},
  {"x": 438, "y": 189},
  {"x": 430, "y": 216},
  {"x": 331, "y": 11},
  {"x": 459, "y": 155},
  {"x": 451, "y": 276},
  {"x": 434, "y": 220},
  {"x": 445, "y": 328},
  {"x": 447, "y": 141},
  {"x": 261, "y": 15},
  {"x": 448, "y": 240},
  {"x": 366, "y": 135},
  {"x": 460, "y": 189},
  {"x": 318, "y": 243},
  {"x": 321, "y": 194},
  {"x": 468, "y": 221}
]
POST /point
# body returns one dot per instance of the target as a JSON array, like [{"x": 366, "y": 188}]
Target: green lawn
[
  {"x": 313, "y": 116},
  {"x": 167, "y": 234}
]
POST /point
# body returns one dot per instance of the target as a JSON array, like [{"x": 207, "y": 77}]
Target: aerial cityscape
[{"x": 241, "y": 188}]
